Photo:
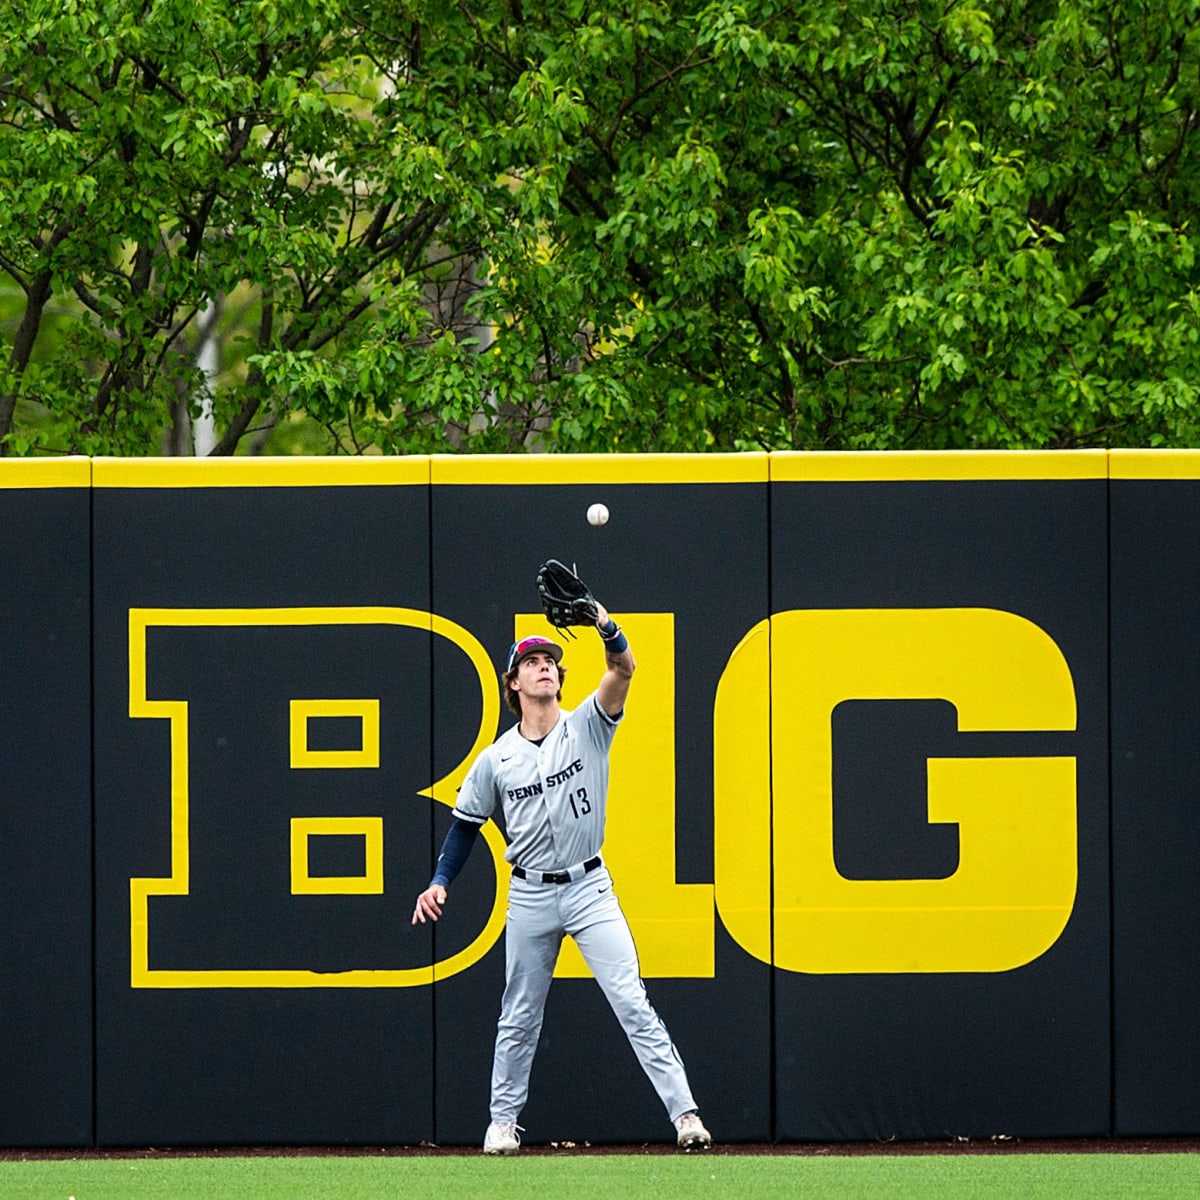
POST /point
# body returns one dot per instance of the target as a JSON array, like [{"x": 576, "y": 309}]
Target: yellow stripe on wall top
[
  {"x": 75, "y": 471},
  {"x": 298, "y": 471},
  {"x": 599, "y": 468},
  {"x": 1154, "y": 464},
  {"x": 899, "y": 465},
  {"x": 523, "y": 469}
]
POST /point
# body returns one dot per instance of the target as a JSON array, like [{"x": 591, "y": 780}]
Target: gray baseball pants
[{"x": 539, "y": 914}]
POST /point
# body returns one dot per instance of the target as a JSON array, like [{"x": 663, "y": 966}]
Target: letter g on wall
[{"x": 1014, "y": 889}]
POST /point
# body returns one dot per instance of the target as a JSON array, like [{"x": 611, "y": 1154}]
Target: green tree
[
  {"x": 163, "y": 158},
  {"x": 637, "y": 225},
  {"x": 876, "y": 223}
]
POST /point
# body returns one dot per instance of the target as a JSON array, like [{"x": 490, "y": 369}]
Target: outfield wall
[{"x": 903, "y": 811}]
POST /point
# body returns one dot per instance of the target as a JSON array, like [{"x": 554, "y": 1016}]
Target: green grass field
[{"x": 661, "y": 1177}]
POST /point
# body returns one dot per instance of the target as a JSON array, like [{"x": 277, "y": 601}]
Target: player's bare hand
[
  {"x": 429, "y": 904},
  {"x": 601, "y": 615}
]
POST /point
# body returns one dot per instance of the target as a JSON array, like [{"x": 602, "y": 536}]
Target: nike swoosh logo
[{"x": 506, "y": 757}]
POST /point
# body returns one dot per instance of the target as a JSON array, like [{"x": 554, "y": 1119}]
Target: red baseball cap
[{"x": 532, "y": 645}]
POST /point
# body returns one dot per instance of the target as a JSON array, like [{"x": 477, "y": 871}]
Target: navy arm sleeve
[{"x": 460, "y": 838}]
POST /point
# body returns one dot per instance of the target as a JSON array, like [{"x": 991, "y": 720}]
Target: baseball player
[{"x": 549, "y": 773}]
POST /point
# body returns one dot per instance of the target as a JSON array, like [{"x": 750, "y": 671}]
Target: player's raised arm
[
  {"x": 567, "y": 600},
  {"x": 619, "y": 664}
]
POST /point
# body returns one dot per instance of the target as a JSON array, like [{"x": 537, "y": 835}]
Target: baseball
[{"x": 597, "y": 514}]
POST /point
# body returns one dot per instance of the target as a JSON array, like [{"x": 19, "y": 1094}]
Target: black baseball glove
[{"x": 566, "y": 599}]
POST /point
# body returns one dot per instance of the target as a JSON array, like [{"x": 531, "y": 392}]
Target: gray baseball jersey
[{"x": 553, "y": 794}]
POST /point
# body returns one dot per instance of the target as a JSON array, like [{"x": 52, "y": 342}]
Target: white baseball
[{"x": 597, "y": 514}]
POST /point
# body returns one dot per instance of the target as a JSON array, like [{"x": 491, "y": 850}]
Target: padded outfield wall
[{"x": 903, "y": 812}]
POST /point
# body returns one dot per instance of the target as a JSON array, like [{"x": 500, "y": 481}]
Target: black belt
[{"x": 554, "y": 876}]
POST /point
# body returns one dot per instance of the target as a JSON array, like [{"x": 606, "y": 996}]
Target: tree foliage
[{"x": 634, "y": 225}]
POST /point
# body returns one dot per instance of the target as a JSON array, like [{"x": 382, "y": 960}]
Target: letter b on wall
[{"x": 1014, "y": 887}]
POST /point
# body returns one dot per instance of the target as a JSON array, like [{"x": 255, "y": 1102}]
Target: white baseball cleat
[
  {"x": 502, "y": 1137},
  {"x": 692, "y": 1134}
]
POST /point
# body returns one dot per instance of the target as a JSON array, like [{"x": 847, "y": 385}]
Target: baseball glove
[{"x": 566, "y": 599}]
